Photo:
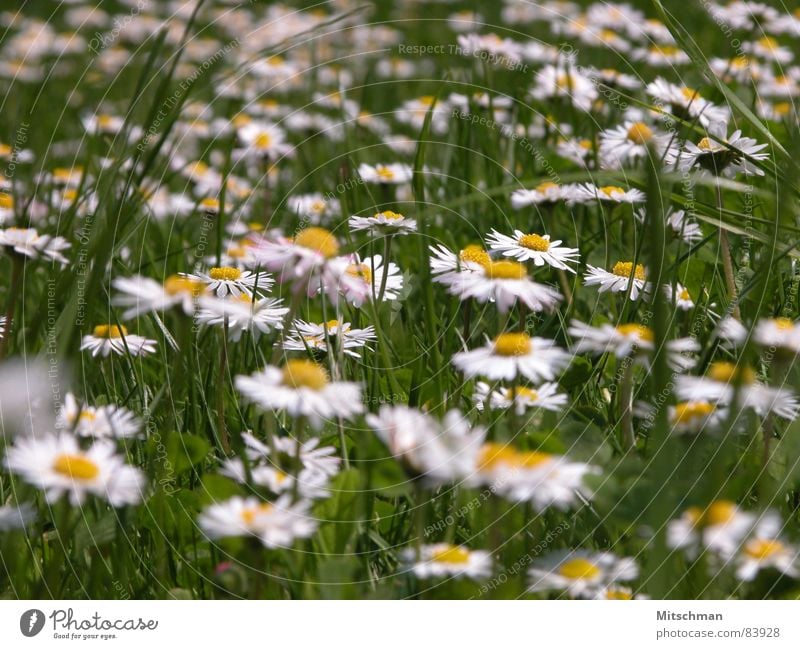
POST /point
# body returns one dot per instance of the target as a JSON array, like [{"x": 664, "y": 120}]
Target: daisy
[
  {"x": 438, "y": 452},
  {"x": 546, "y": 396},
  {"x": 623, "y": 276},
  {"x": 101, "y": 421},
  {"x": 765, "y": 549},
  {"x": 308, "y": 335},
  {"x": 725, "y": 381},
  {"x": 581, "y": 152},
  {"x": 628, "y": 143},
  {"x": 55, "y": 463},
  {"x": 242, "y": 314},
  {"x": 587, "y": 192},
  {"x": 263, "y": 140},
  {"x": 302, "y": 389},
  {"x": 6, "y": 207},
  {"x": 444, "y": 263},
  {"x": 629, "y": 340},
  {"x": 780, "y": 333},
  {"x": 719, "y": 528},
  {"x": 542, "y": 479},
  {"x": 564, "y": 82},
  {"x": 513, "y": 355},
  {"x": 108, "y": 338},
  {"x": 617, "y": 592},
  {"x": 103, "y": 123},
  {"x": 276, "y": 525},
  {"x": 229, "y": 280},
  {"x": 695, "y": 416},
  {"x": 580, "y": 573},
  {"x": 387, "y": 222},
  {"x": 315, "y": 207},
  {"x": 395, "y": 173},
  {"x": 504, "y": 283},
  {"x": 720, "y": 155},
  {"x": 365, "y": 277},
  {"x": 442, "y": 560},
  {"x": 679, "y": 296},
  {"x": 679, "y": 222},
  {"x": 769, "y": 49},
  {"x": 29, "y": 243},
  {"x": 685, "y": 103},
  {"x": 414, "y": 112},
  {"x": 661, "y": 56},
  {"x": 546, "y": 192},
  {"x": 16, "y": 517},
  {"x": 534, "y": 247},
  {"x": 144, "y": 295}
]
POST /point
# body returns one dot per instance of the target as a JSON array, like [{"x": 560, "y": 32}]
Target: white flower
[
  {"x": 680, "y": 296},
  {"x": 679, "y": 222},
  {"x": 720, "y": 155},
  {"x": 534, "y": 247},
  {"x": 28, "y": 242},
  {"x": 387, "y": 222},
  {"x": 55, "y": 463},
  {"x": 302, "y": 389},
  {"x": 228, "y": 280},
  {"x": 765, "y": 549},
  {"x": 438, "y": 452},
  {"x": 685, "y": 103},
  {"x": 445, "y": 263},
  {"x": 242, "y": 314},
  {"x": 103, "y": 123},
  {"x": 782, "y": 333},
  {"x": 504, "y": 283},
  {"x": 315, "y": 207},
  {"x": 546, "y": 192},
  {"x": 661, "y": 56},
  {"x": 276, "y": 525},
  {"x": 695, "y": 416},
  {"x": 396, "y": 173},
  {"x": 580, "y": 573},
  {"x": 108, "y": 338},
  {"x": 622, "y": 276},
  {"x": 719, "y": 528},
  {"x": 445, "y": 560},
  {"x": 263, "y": 140},
  {"x": 546, "y": 396},
  {"x": 769, "y": 49},
  {"x": 308, "y": 335},
  {"x": 144, "y": 295},
  {"x": 587, "y": 192},
  {"x": 564, "y": 82},
  {"x": 101, "y": 421},
  {"x": 513, "y": 355},
  {"x": 629, "y": 143},
  {"x": 363, "y": 279}
]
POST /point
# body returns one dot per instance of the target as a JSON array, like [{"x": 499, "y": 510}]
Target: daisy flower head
[
  {"x": 276, "y": 524},
  {"x": 229, "y": 280},
  {"x": 545, "y": 396},
  {"x": 315, "y": 207},
  {"x": 103, "y": 123},
  {"x": 721, "y": 155},
  {"x": 302, "y": 388},
  {"x": 59, "y": 466},
  {"x": 579, "y": 573},
  {"x": 534, "y": 247},
  {"x": 263, "y": 140},
  {"x": 311, "y": 336},
  {"x": 437, "y": 452},
  {"x": 565, "y": 82},
  {"x": 719, "y": 528},
  {"x": 624, "y": 276},
  {"x": 781, "y": 333},
  {"x": 29, "y": 243},
  {"x": 685, "y": 103},
  {"x": 441, "y": 560},
  {"x": 764, "y": 549},
  {"x": 140, "y": 295},
  {"x": 680, "y": 296},
  {"x": 546, "y": 192},
  {"x": 395, "y": 173},
  {"x": 444, "y": 262},
  {"x": 241, "y": 314},
  {"x": 628, "y": 143},
  {"x": 109, "y": 338},
  {"x": 588, "y": 192},
  {"x": 695, "y": 416},
  {"x": 542, "y": 479},
  {"x": 97, "y": 421},
  {"x": 362, "y": 279},
  {"x": 503, "y": 283},
  {"x": 513, "y": 355},
  {"x": 662, "y": 56},
  {"x": 386, "y": 222}
]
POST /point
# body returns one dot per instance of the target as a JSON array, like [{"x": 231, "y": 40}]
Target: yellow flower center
[
  {"x": 665, "y": 50},
  {"x": 684, "y": 295},
  {"x": 784, "y": 323},
  {"x": 475, "y": 254},
  {"x": 250, "y": 513},
  {"x": 427, "y": 100},
  {"x": 578, "y": 569},
  {"x": 360, "y": 270},
  {"x": 506, "y": 270},
  {"x": 304, "y": 374},
  {"x": 763, "y": 548},
  {"x": 198, "y": 168},
  {"x": 565, "y": 82},
  {"x": 523, "y": 392},
  {"x": 225, "y": 273},
  {"x": 687, "y": 411},
  {"x": 76, "y": 467},
  {"x": 5, "y": 150},
  {"x": 493, "y": 455},
  {"x": 105, "y": 121},
  {"x": 690, "y": 94},
  {"x": 768, "y": 43},
  {"x": 726, "y": 372},
  {"x": 109, "y": 331},
  {"x": 611, "y": 190},
  {"x": 87, "y": 415},
  {"x": 384, "y": 172},
  {"x": 210, "y": 204},
  {"x": 175, "y": 284},
  {"x": 263, "y": 141},
  {"x": 640, "y": 133},
  {"x": 706, "y": 144},
  {"x": 636, "y": 330},
  {"x": 388, "y": 214},
  {"x": 618, "y": 594},
  {"x": 626, "y": 269},
  {"x": 331, "y": 324},
  {"x": 66, "y": 173},
  {"x": 6, "y": 201},
  {"x": 534, "y": 242},
  {"x": 718, "y": 513},
  {"x": 319, "y": 240},
  {"x": 512, "y": 344},
  {"x": 782, "y": 108},
  {"x": 451, "y": 554},
  {"x": 545, "y": 186}
]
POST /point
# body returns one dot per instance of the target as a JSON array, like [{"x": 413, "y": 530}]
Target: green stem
[{"x": 17, "y": 267}]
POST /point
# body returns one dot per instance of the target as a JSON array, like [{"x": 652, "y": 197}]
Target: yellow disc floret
[{"x": 299, "y": 373}]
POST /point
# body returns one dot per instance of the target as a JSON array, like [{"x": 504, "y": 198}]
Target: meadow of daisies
[{"x": 419, "y": 299}]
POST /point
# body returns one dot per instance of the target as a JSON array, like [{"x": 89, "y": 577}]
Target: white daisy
[
  {"x": 580, "y": 573},
  {"x": 100, "y": 421},
  {"x": 719, "y": 155},
  {"x": 263, "y": 140},
  {"x": 587, "y": 192},
  {"x": 566, "y": 82},
  {"x": 144, "y": 295},
  {"x": 56, "y": 464},
  {"x": 242, "y": 314},
  {"x": 680, "y": 296},
  {"x": 546, "y": 192},
  {"x": 765, "y": 549},
  {"x": 781, "y": 333},
  {"x": 108, "y": 338},
  {"x": 442, "y": 560},
  {"x": 534, "y": 247},
  {"x": 28, "y": 242},
  {"x": 695, "y": 416},
  {"x": 387, "y": 222},
  {"x": 444, "y": 262},
  {"x": 308, "y": 335},
  {"x": 396, "y": 173},
  {"x": 302, "y": 389},
  {"x": 623, "y": 275},
  {"x": 629, "y": 143},
  {"x": 719, "y": 528},
  {"x": 513, "y": 355},
  {"x": 685, "y": 103},
  {"x": 364, "y": 278},
  {"x": 229, "y": 280},
  {"x": 545, "y": 396},
  {"x": 315, "y": 207}
]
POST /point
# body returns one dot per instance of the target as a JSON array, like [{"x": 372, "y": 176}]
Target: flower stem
[
  {"x": 17, "y": 266},
  {"x": 625, "y": 406},
  {"x": 727, "y": 261}
]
